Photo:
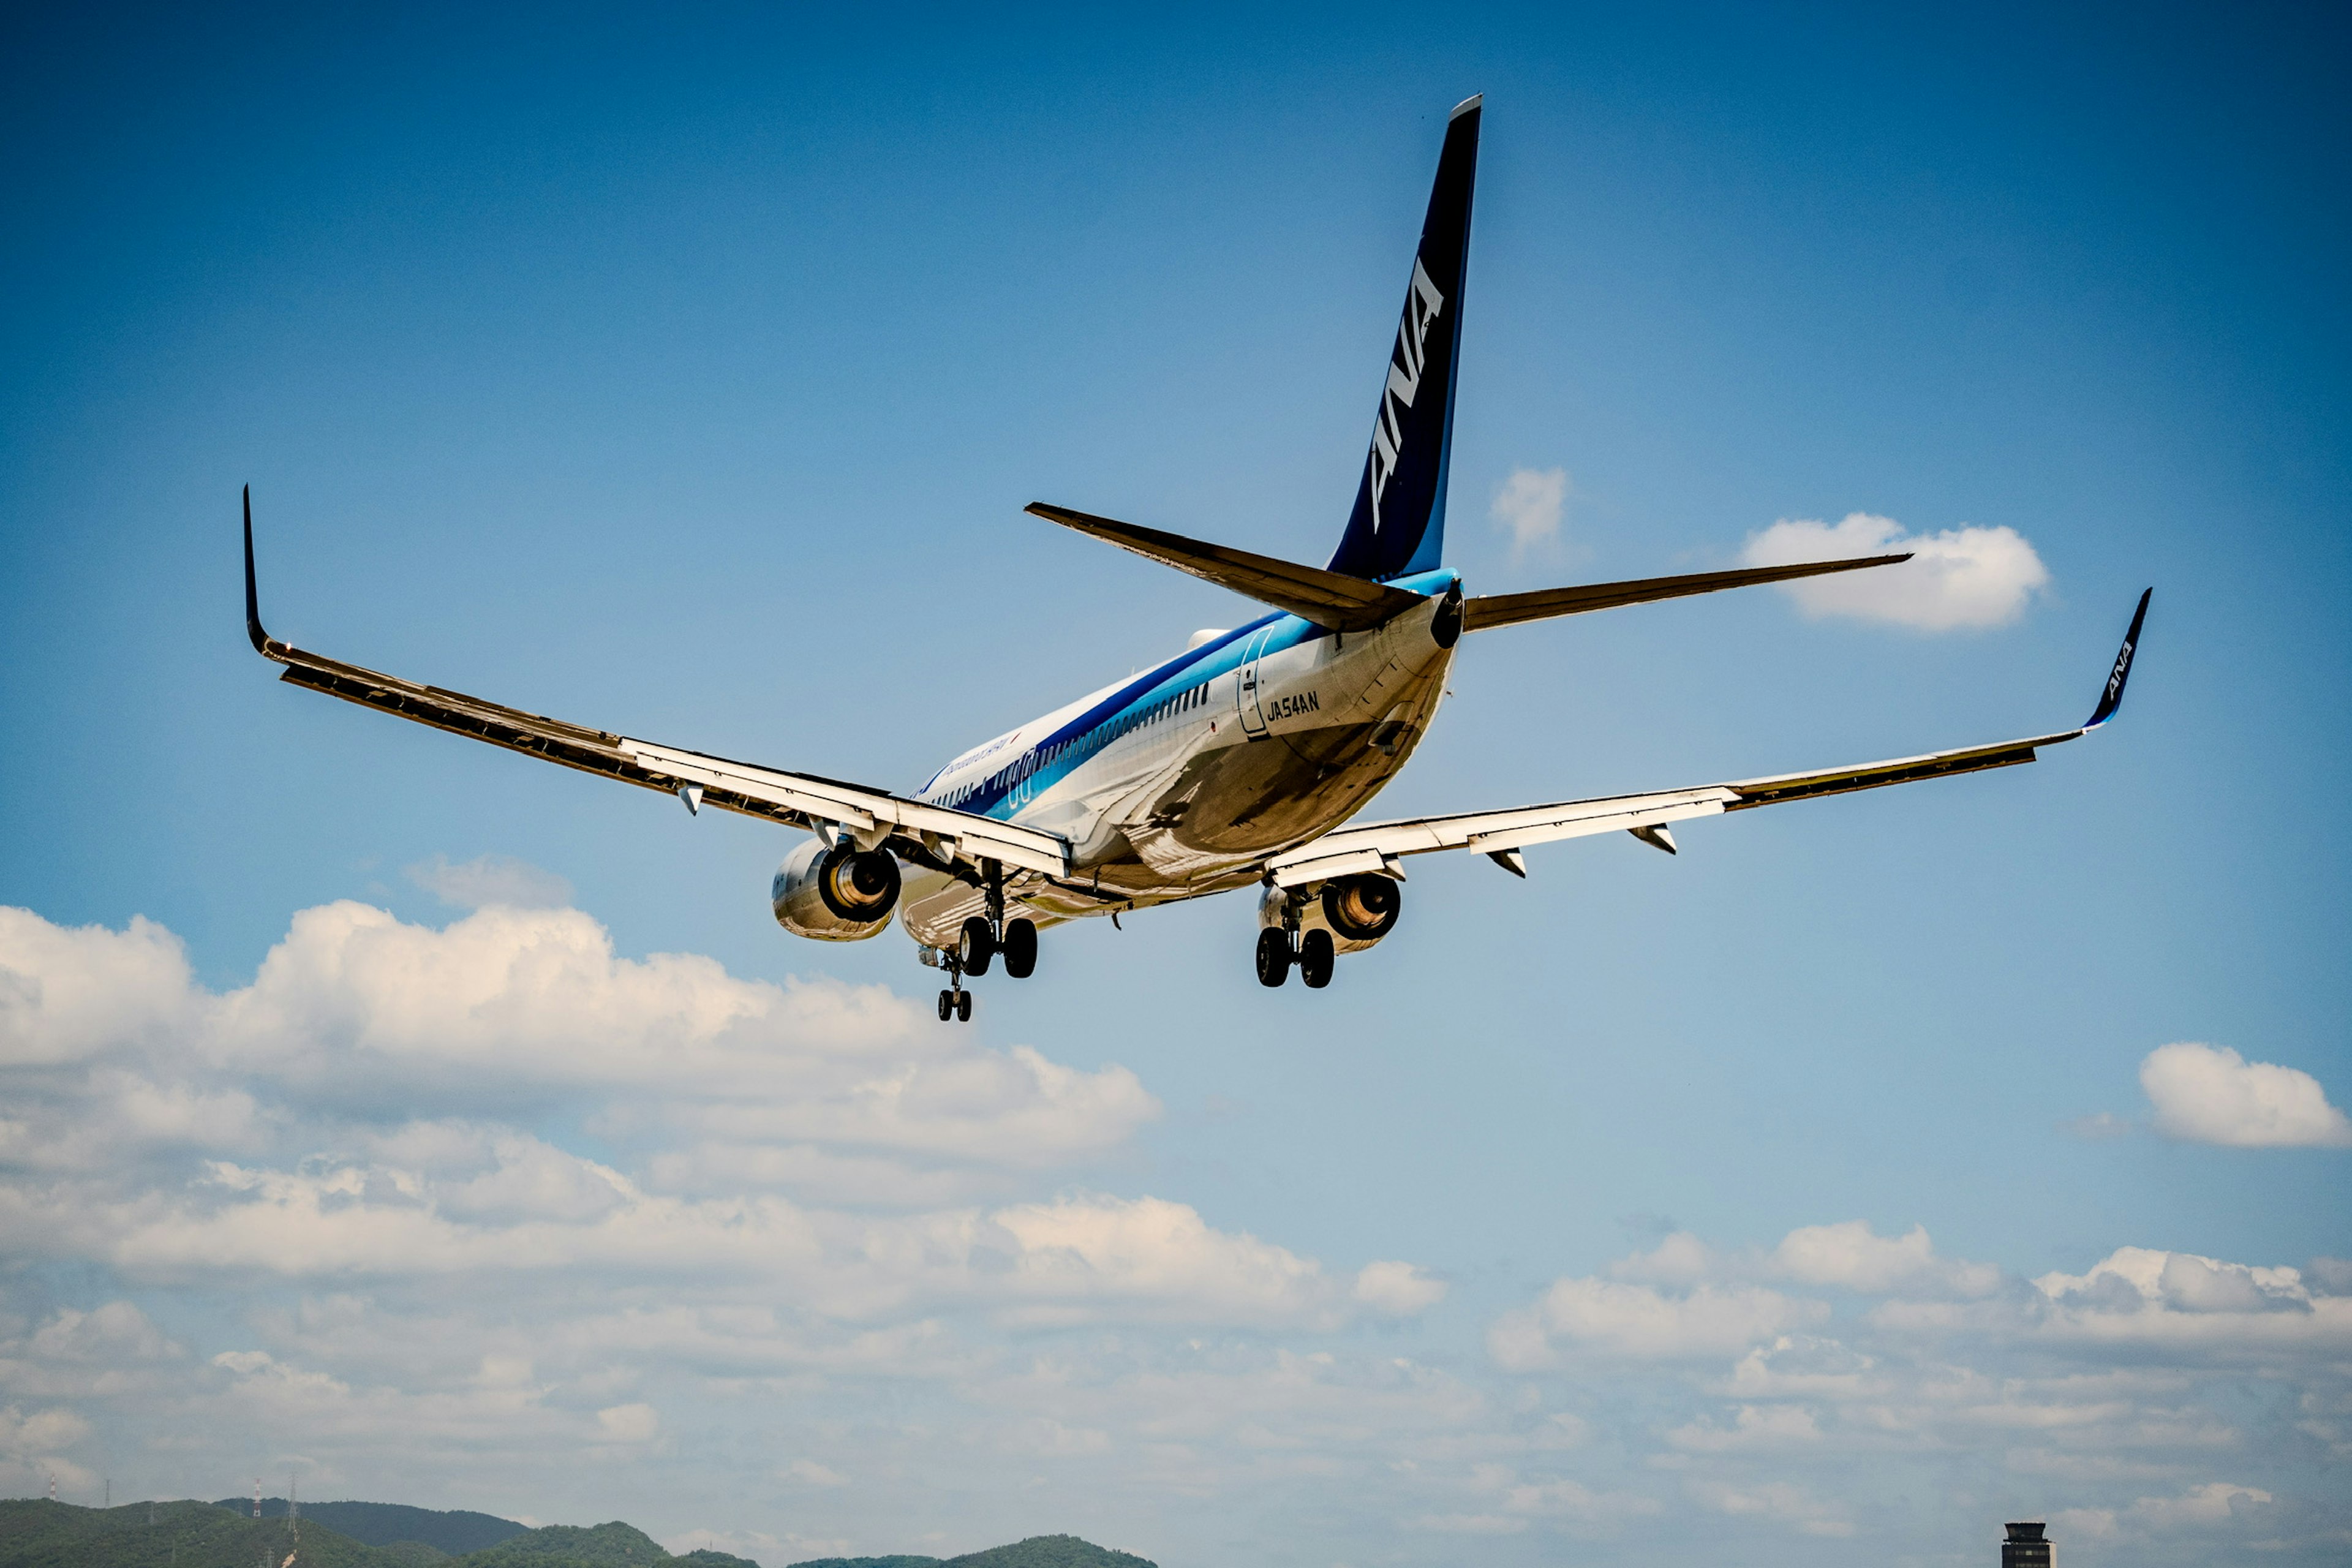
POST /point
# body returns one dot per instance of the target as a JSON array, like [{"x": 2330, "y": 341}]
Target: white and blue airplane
[{"x": 1239, "y": 763}]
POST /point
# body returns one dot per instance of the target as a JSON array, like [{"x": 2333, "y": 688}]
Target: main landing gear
[
  {"x": 976, "y": 946},
  {"x": 1314, "y": 955}
]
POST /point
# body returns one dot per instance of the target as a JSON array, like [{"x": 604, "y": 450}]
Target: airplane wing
[
  {"x": 1381, "y": 847},
  {"x": 827, "y": 807}
]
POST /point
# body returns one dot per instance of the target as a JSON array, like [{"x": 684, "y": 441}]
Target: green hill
[
  {"x": 37, "y": 1533},
  {"x": 451, "y": 1532},
  {"x": 613, "y": 1546},
  {"x": 1037, "y": 1552},
  {"x": 1049, "y": 1551}
]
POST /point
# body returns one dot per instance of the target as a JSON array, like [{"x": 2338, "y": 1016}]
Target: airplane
[{"x": 1240, "y": 762}]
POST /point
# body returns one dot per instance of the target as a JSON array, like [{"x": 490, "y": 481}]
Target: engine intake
[
  {"x": 1362, "y": 909},
  {"x": 839, "y": 894}
]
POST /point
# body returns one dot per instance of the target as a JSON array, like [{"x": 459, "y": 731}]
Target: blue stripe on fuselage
[
  {"x": 1077, "y": 743},
  {"x": 1037, "y": 769}
]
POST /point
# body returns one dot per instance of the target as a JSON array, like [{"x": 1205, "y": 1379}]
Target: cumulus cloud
[
  {"x": 1847, "y": 1256},
  {"x": 1854, "y": 1257},
  {"x": 1782, "y": 1502},
  {"x": 1962, "y": 578},
  {"x": 491, "y": 880},
  {"x": 493, "y": 1201},
  {"x": 720, "y": 1087},
  {"x": 1397, "y": 1289},
  {"x": 1528, "y": 505},
  {"x": 2201, "y": 1508},
  {"x": 1613, "y": 1318},
  {"x": 2193, "y": 1305},
  {"x": 2211, "y": 1094}
]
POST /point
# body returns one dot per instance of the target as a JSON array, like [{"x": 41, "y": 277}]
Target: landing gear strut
[
  {"x": 980, "y": 940},
  {"x": 955, "y": 1001}
]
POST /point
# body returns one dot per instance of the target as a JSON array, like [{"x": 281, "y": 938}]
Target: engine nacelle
[
  {"x": 1357, "y": 910},
  {"x": 836, "y": 894}
]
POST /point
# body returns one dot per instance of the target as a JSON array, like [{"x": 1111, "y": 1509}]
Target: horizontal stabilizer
[
  {"x": 1480, "y": 615},
  {"x": 1331, "y": 599}
]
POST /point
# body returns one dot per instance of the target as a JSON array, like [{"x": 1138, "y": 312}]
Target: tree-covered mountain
[
  {"x": 1037, "y": 1552},
  {"x": 452, "y": 1531},
  {"x": 1049, "y": 1551},
  {"x": 37, "y": 1533},
  {"x": 611, "y": 1545}
]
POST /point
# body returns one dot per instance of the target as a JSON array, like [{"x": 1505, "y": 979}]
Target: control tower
[{"x": 2025, "y": 1548}]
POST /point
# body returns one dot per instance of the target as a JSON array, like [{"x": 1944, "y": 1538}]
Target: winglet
[
  {"x": 252, "y": 595},
  {"x": 2112, "y": 698}
]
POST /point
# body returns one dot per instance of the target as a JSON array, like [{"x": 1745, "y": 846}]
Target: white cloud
[
  {"x": 1850, "y": 1255},
  {"x": 493, "y": 1202},
  {"x": 1754, "y": 1426},
  {"x": 2199, "y": 1508},
  {"x": 1529, "y": 504},
  {"x": 2193, "y": 1306},
  {"x": 628, "y": 1423},
  {"x": 491, "y": 880},
  {"x": 1615, "y": 1318},
  {"x": 2211, "y": 1094},
  {"x": 1398, "y": 1289},
  {"x": 1962, "y": 577},
  {"x": 1780, "y": 1502},
  {"x": 1471, "y": 1523},
  {"x": 808, "y": 1472}
]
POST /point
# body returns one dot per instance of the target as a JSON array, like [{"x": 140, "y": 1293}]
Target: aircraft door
[{"x": 1245, "y": 687}]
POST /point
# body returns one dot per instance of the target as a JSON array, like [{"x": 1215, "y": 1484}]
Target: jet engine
[
  {"x": 1361, "y": 909},
  {"x": 839, "y": 894},
  {"x": 1357, "y": 910}
]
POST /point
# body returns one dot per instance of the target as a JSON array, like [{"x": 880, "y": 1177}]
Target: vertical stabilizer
[{"x": 1399, "y": 523}]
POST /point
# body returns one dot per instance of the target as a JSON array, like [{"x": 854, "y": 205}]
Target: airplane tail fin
[{"x": 1399, "y": 522}]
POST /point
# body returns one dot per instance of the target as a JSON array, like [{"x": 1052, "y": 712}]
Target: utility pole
[{"x": 110, "y": 1493}]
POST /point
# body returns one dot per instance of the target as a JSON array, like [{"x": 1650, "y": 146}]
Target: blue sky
[{"x": 687, "y": 377}]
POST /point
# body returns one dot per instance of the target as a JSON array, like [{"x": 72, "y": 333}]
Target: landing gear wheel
[
  {"x": 1316, "y": 957},
  {"x": 947, "y": 1005},
  {"x": 1020, "y": 948},
  {"x": 963, "y": 1006},
  {"x": 975, "y": 945},
  {"x": 1272, "y": 956}
]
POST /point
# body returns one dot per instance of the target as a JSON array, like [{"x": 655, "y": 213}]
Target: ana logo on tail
[{"x": 1422, "y": 308}]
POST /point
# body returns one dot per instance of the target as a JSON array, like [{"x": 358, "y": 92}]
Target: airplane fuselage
[{"x": 1182, "y": 780}]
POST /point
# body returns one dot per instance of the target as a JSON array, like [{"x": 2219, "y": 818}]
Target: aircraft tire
[
  {"x": 1272, "y": 956},
  {"x": 1316, "y": 957},
  {"x": 947, "y": 1005},
  {"x": 963, "y": 1006},
  {"x": 1020, "y": 948},
  {"x": 975, "y": 945}
]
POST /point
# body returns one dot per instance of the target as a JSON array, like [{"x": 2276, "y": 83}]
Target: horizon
[{"x": 1864, "y": 1176}]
